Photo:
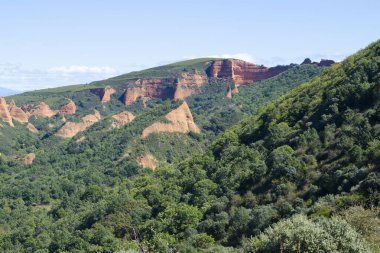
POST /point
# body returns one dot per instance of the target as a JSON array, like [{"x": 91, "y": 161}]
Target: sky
[{"x": 46, "y": 43}]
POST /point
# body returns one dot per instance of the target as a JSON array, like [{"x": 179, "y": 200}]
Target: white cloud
[
  {"x": 80, "y": 69},
  {"x": 16, "y": 77}
]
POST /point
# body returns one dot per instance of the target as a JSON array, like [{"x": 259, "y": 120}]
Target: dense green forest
[{"x": 300, "y": 175}]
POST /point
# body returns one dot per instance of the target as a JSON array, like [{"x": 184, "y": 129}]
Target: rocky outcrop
[
  {"x": 149, "y": 88},
  {"x": 32, "y": 128},
  {"x": 68, "y": 109},
  {"x": 103, "y": 93},
  {"x": 186, "y": 84},
  {"x": 42, "y": 110},
  {"x": 4, "y": 112},
  {"x": 17, "y": 113},
  {"x": 29, "y": 158},
  {"x": 121, "y": 119},
  {"x": 147, "y": 161},
  {"x": 70, "y": 129},
  {"x": 322, "y": 63},
  {"x": 242, "y": 72},
  {"x": 181, "y": 121},
  {"x": 189, "y": 84}
]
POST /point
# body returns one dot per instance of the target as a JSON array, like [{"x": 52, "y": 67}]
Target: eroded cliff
[{"x": 181, "y": 121}]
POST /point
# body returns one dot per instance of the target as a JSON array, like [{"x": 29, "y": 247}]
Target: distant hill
[
  {"x": 7, "y": 92},
  {"x": 219, "y": 93}
]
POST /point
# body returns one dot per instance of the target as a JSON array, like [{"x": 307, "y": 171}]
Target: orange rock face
[
  {"x": 121, "y": 119},
  {"x": 241, "y": 72},
  {"x": 42, "y": 110},
  {"x": 70, "y": 129},
  {"x": 189, "y": 84},
  {"x": 179, "y": 88},
  {"x": 150, "y": 88},
  {"x": 103, "y": 93},
  {"x": 68, "y": 109},
  {"x": 4, "y": 112},
  {"x": 237, "y": 71},
  {"x": 147, "y": 161},
  {"x": 17, "y": 113},
  {"x": 29, "y": 158},
  {"x": 181, "y": 121}
]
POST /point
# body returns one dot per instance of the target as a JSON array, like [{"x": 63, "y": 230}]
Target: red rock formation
[
  {"x": 32, "y": 128},
  {"x": 42, "y": 110},
  {"x": 147, "y": 161},
  {"x": 150, "y": 88},
  {"x": 4, "y": 112},
  {"x": 181, "y": 121},
  {"x": 70, "y": 129},
  {"x": 179, "y": 88},
  {"x": 121, "y": 119},
  {"x": 68, "y": 109},
  {"x": 103, "y": 93},
  {"x": 241, "y": 72},
  {"x": 17, "y": 113},
  {"x": 29, "y": 158},
  {"x": 189, "y": 84}
]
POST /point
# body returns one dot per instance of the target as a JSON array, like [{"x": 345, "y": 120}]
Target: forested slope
[{"x": 301, "y": 175}]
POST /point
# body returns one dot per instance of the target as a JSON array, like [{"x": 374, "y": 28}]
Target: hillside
[
  {"x": 308, "y": 161},
  {"x": 52, "y": 116}
]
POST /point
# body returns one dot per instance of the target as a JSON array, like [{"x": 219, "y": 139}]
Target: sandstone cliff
[
  {"x": 41, "y": 110},
  {"x": 4, "y": 112},
  {"x": 189, "y": 83},
  {"x": 68, "y": 109},
  {"x": 181, "y": 121},
  {"x": 241, "y": 72},
  {"x": 70, "y": 129},
  {"x": 17, "y": 113},
  {"x": 186, "y": 84},
  {"x": 149, "y": 88},
  {"x": 121, "y": 119},
  {"x": 103, "y": 93}
]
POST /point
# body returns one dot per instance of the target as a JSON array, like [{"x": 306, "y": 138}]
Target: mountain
[
  {"x": 7, "y": 92},
  {"x": 72, "y": 176},
  {"x": 53, "y": 115}
]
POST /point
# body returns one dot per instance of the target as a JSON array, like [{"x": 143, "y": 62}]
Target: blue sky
[{"x": 46, "y": 43}]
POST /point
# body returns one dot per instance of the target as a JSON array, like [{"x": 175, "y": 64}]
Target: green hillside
[{"x": 300, "y": 175}]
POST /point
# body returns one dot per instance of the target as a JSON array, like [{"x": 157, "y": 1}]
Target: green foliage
[
  {"x": 289, "y": 177},
  {"x": 300, "y": 234}
]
